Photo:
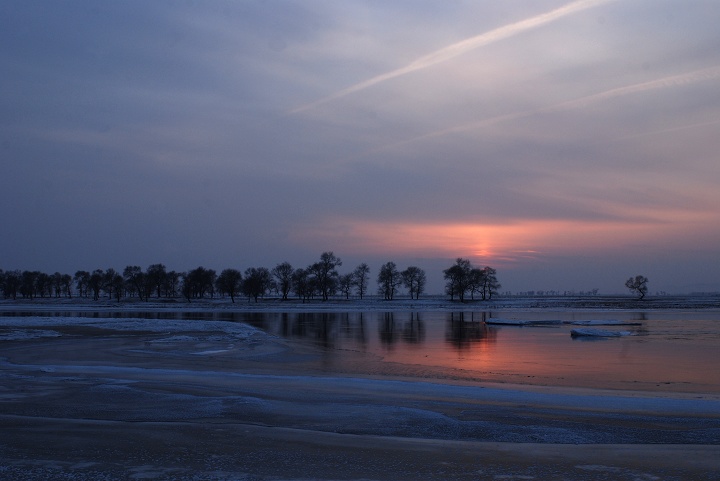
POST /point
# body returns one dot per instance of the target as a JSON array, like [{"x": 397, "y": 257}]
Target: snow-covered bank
[{"x": 372, "y": 303}]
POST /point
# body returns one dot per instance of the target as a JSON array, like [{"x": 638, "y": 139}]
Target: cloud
[
  {"x": 680, "y": 80},
  {"x": 460, "y": 48}
]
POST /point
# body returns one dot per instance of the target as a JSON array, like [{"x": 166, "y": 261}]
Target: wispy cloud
[
  {"x": 688, "y": 78},
  {"x": 460, "y": 48}
]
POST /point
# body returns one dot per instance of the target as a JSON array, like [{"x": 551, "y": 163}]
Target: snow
[
  {"x": 26, "y": 334},
  {"x": 232, "y": 330}
]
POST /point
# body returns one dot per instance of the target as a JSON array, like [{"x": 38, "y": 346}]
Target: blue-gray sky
[{"x": 568, "y": 144}]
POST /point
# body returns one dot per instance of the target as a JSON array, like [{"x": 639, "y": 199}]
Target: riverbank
[{"x": 373, "y": 303}]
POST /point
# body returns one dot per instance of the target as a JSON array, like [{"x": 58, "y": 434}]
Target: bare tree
[
  {"x": 346, "y": 283},
  {"x": 362, "y": 277},
  {"x": 156, "y": 274},
  {"x": 476, "y": 282},
  {"x": 11, "y": 283},
  {"x": 303, "y": 284},
  {"x": 414, "y": 279},
  {"x": 229, "y": 282},
  {"x": 256, "y": 282},
  {"x": 82, "y": 283},
  {"x": 491, "y": 284},
  {"x": 95, "y": 283},
  {"x": 283, "y": 274},
  {"x": 388, "y": 280},
  {"x": 458, "y": 278},
  {"x": 638, "y": 285},
  {"x": 137, "y": 281},
  {"x": 326, "y": 274}
]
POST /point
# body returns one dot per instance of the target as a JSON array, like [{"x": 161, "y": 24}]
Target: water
[{"x": 672, "y": 350}]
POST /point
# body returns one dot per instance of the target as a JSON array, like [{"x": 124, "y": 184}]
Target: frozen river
[
  {"x": 408, "y": 394},
  {"x": 676, "y": 350}
]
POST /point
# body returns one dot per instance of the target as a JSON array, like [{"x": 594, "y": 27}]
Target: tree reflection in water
[{"x": 465, "y": 329}]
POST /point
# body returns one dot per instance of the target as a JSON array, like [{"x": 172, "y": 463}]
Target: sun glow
[{"x": 499, "y": 243}]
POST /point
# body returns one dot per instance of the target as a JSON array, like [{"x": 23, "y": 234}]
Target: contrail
[
  {"x": 665, "y": 82},
  {"x": 679, "y": 80},
  {"x": 459, "y": 48}
]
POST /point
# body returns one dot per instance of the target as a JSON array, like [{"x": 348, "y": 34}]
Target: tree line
[{"x": 319, "y": 280}]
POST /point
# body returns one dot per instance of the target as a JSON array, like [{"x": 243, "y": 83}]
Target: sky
[{"x": 568, "y": 144}]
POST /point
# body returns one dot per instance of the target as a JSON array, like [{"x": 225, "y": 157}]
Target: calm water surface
[{"x": 676, "y": 350}]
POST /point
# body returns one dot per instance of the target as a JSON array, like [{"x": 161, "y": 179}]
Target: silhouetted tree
[
  {"x": 303, "y": 284},
  {"x": 346, "y": 283},
  {"x": 110, "y": 282},
  {"x": 27, "y": 283},
  {"x": 43, "y": 284},
  {"x": 325, "y": 274},
  {"x": 115, "y": 284},
  {"x": 82, "y": 283},
  {"x": 256, "y": 282},
  {"x": 229, "y": 282},
  {"x": 638, "y": 285},
  {"x": 156, "y": 274},
  {"x": 388, "y": 280},
  {"x": 458, "y": 278},
  {"x": 414, "y": 280},
  {"x": 11, "y": 283},
  {"x": 171, "y": 284},
  {"x": 137, "y": 281},
  {"x": 95, "y": 283},
  {"x": 283, "y": 274},
  {"x": 476, "y": 282},
  {"x": 362, "y": 277},
  {"x": 491, "y": 284},
  {"x": 198, "y": 282}
]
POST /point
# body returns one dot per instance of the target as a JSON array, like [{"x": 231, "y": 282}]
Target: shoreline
[{"x": 372, "y": 303}]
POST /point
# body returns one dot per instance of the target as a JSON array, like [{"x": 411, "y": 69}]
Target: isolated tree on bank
[
  {"x": 638, "y": 285},
  {"x": 388, "y": 280},
  {"x": 326, "y": 274},
  {"x": 229, "y": 282},
  {"x": 490, "y": 282},
  {"x": 361, "y": 276},
  {"x": 283, "y": 274},
  {"x": 414, "y": 279}
]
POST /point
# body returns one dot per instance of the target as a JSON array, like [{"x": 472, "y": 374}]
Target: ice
[
  {"x": 593, "y": 332},
  {"x": 166, "y": 326},
  {"x": 523, "y": 322},
  {"x": 25, "y": 334},
  {"x": 606, "y": 322}
]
